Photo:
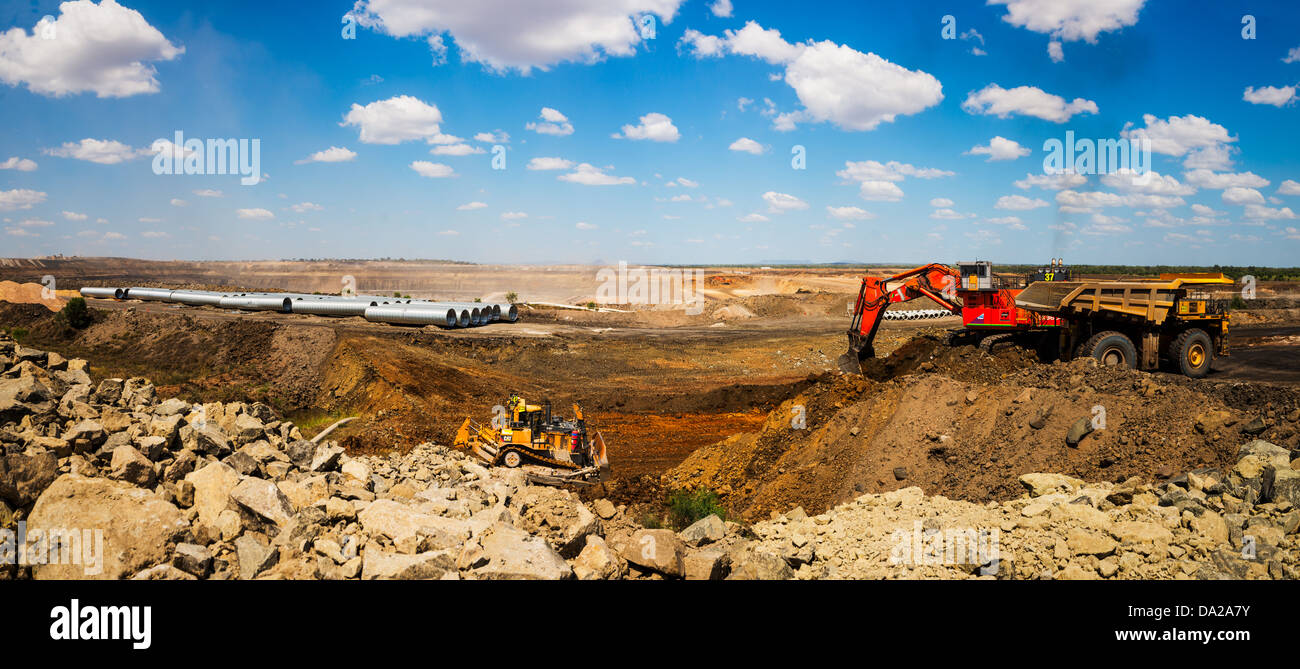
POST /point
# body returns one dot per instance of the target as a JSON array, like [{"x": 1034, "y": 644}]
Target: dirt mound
[
  {"x": 28, "y": 293},
  {"x": 966, "y": 425}
]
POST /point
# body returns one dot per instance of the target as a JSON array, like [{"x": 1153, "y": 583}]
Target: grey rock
[
  {"x": 192, "y": 559},
  {"x": 428, "y": 565},
  {"x": 264, "y": 499},
  {"x": 24, "y": 477},
  {"x": 131, "y": 466},
  {"x": 705, "y": 531},
  {"x": 255, "y": 555}
]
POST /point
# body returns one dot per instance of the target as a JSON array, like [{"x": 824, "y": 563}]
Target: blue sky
[{"x": 887, "y": 112}]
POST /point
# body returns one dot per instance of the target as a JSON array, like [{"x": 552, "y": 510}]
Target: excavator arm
[{"x": 935, "y": 281}]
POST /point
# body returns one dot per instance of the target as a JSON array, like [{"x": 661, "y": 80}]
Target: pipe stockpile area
[{"x": 397, "y": 311}]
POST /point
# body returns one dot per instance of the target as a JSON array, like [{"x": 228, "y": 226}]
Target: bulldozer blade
[{"x": 484, "y": 453}]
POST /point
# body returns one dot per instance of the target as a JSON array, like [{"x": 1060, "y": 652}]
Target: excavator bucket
[{"x": 849, "y": 362}]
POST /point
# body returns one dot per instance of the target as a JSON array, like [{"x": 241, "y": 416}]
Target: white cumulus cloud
[
  {"x": 654, "y": 126},
  {"x": 590, "y": 175},
  {"x": 334, "y": 154},
  {"x": 834, "y": 82},
  {"x": 396, "y": 120},
  {"x": 102, "y": 48},
  {"x": 1025, "y": 101},
  {"x": 1000, "y": 148},
  {"x": 553, "y": 123},
  {"x": 747, "y": 145},
  {"x": 505, "y": 34},
  {"x": 430, "y": 170}
]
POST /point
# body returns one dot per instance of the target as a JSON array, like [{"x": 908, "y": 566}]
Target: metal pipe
[
  {"x": 258, "y": 303},
  {"x": 349, "y": 307},
  {"x": 405, "y": 316},
  {"x": 152, "y": 294},
  {"x": 90, "y": 291},
  {"x": 196, "y": 297}
]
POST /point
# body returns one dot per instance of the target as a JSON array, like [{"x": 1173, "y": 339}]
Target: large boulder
[
  {"x": 24, "y": 477},
  {"x": 657, "y": 550},
  {"x": 409, "y": 529},
  {"x": 705, "y": 531},
  {"x": 557, "y": 516},
  {"x": 503, "y": 552},
  {"x": 263, "y": 498},
  {"x": 22, "y": 396},
  {"x": 751, "y": 564},
  {"x": 597, "y": 561},
  {"x": 429, "y": 565},
  {"x": 138, "y": 527},
  {"x": 1269, "y": 454},
  {"x": 255, "y": 555},
  {"x": 204, "y": 439},
  {"x": 212, "y": 487},
  {"x": 131, "y": 466},
  {"x": 1040, "y": 484}
]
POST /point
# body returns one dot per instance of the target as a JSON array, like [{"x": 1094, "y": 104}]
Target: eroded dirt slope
[{"x": 966, "y": 425}]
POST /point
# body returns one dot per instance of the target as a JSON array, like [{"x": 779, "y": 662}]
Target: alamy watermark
[
  {"x": 49, "y": 546},
  {"x": 1084, "y": 156},
  {"x": 209, "y": 157},
  {"x": 654, "y": 286},
  {"x": 76, "y": 622}
]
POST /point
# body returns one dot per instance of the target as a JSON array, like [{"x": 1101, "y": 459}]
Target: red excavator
[{"x": 985, "y": 301}]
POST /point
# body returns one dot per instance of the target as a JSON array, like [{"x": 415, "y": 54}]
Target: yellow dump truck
[{"x": 1141, "y": 323}]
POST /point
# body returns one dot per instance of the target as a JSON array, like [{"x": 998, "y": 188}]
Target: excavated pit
[{"x": 965, "y": 424}]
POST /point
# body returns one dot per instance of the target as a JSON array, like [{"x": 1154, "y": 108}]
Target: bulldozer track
[{"x": 529, "y": 455}]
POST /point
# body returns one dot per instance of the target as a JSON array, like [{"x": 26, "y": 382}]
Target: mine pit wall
[{"x": 969, "y": 426}]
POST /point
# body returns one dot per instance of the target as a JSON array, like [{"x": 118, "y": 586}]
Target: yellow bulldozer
[{"x": 523, "y": 434}]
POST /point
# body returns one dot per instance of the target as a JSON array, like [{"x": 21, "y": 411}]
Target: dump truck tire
[
  {"x": 1111, "y": 348},
  {"x": 1192, "y": 352}
]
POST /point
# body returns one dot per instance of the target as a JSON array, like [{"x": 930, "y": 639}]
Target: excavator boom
[{"x": 935, "y": 281}]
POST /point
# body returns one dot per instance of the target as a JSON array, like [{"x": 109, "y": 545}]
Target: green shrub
[
  {"x": 1238, "y": 303},
  {"x": 75, "y": 314},
  {"x": 511, "y": 297},
  {"x": 687, "y": 506}
]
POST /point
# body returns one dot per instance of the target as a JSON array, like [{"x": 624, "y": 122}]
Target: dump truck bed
[{"x": 1147, "y": 299}]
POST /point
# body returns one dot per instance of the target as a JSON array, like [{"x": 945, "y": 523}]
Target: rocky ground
[{"x": 226, "y": 491}]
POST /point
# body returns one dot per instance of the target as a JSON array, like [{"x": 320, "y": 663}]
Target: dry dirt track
[{"x": 1262, "y": 355}]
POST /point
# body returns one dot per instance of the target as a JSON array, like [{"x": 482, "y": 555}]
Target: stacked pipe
[
  {"x": 916, "y": 314},
  {"x": 375, "y": 308}
]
